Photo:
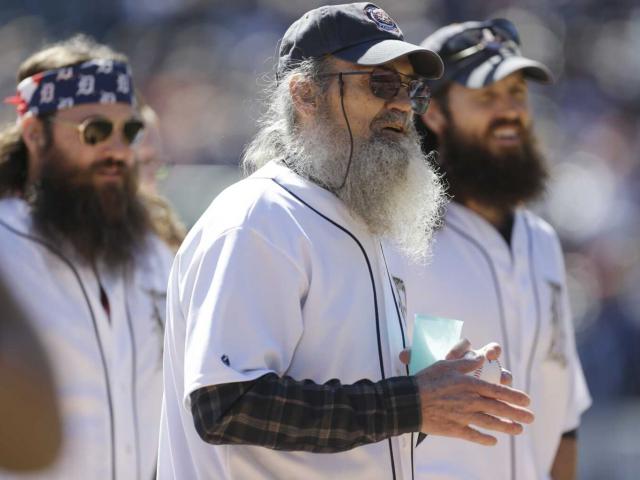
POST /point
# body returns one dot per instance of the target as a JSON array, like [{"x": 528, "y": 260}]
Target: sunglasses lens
[
  {"x": 97, "y": 131},
  {"x": 133, "y": 130},
  {"x": 420, "y": 95},
  {"x": 503, "y": 30},
  {"x": 462, "y": 41},
  {"x": 385, "y": 84}
]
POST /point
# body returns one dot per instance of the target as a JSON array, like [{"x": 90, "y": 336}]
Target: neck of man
[{"x": 500, "y": 218}]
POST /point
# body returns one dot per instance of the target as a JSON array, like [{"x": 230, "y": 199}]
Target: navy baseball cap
[
  {"x": 477, "y": 54},
  {"x": 360, "y": 33}
]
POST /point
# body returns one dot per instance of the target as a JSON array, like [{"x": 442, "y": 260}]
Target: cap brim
[
  {"x": 532, "y": 69},
  {"x": 425, "y": 62}
]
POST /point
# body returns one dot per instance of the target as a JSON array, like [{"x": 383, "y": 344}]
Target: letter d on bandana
[{"x": 95, "y": 81}]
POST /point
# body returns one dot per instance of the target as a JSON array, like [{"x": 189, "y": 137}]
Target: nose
[
  {"x": 510, "y": 107},
  {"x": 119, "y": 149},
  {"x": 401, "y": 101}
]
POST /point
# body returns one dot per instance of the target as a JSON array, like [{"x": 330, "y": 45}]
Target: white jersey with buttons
[
  {"x": 277, "y": 276},
  {"x": 515, "y": 295},
  {"x": 107, "y": 364}
]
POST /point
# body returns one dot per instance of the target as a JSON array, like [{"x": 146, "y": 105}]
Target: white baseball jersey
[
  {"x": 106, "y": 367},
  {"x": 515, "y": 295},
  {"x": 276, "y": 277}
]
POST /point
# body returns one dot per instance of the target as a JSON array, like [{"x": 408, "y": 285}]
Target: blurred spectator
[
  {"x": 30, "y": 436},
  {"x": 149, "y": 153},
  {"x": 150, "y": 150}
]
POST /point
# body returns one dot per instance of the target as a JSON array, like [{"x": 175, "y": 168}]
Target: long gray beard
[{"x": 390, "y": 185}]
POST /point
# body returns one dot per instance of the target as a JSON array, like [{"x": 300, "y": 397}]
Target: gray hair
[{"x": 278, "y": 124}]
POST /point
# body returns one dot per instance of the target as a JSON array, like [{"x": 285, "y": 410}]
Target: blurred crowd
[{"x": 202, "y": 65}]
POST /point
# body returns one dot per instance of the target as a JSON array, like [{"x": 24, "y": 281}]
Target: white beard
[{"x": 391, "y": 185}]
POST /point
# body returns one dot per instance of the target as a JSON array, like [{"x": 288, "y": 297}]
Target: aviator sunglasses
[
  {"x": 386, "y": 84},
  {"x": 494, "y": 35},
  {"x": 98, "y": 129}
]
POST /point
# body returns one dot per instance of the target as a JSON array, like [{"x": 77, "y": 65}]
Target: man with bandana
[
  {"x": 78, "y": 256},
  {"x": 495, "y": 265},
  {"x": 283, "y": 341}
]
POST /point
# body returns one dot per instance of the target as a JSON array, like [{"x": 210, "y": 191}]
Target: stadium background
[{"x": 202, "y": 65}]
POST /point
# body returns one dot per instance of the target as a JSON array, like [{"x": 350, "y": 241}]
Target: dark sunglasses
[
  {"x": 94, "y": 130},
  {"x": 494, "y": 34},
  {"x": 386, "y": 84}
]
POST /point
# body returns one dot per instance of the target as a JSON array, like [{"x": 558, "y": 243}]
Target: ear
[
  {"x": 34, "y": 139},
  {"x": 304, "y": 93},
  {"x": 33, "y": 135},
  {"x": 434, "y": 118}
]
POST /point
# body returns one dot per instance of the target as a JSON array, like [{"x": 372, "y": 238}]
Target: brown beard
[
  {"x": 107, "y": 222},
  {"x": 472, "y": 172}
]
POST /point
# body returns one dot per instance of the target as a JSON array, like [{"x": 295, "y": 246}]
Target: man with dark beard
[
  {"x": 283, "y": 331},
  {"x": 79, "y": 257},
  {"x": 495, "y": 265}
]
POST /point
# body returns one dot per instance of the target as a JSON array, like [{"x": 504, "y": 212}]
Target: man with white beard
[{"x": 284, "y": 336}]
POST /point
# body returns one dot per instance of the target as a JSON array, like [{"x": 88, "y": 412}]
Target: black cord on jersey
[
  {"x": 334, "y": 189},
  {"x": 375, "y": 300},
  {"x": 344, "y": 114}
]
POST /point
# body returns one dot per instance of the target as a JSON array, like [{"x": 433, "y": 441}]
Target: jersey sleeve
[{"x": 242, "y": 301}]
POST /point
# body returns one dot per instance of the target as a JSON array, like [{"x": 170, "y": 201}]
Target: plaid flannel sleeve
[{"x": 284, "y": 414}]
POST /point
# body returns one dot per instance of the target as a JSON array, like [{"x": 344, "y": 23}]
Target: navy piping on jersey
[
  {"x": 404, "y": 344},
  {"x": 65, "y": 260},
  {"x": 373, "y": 286},
  {"x": 536, "y": 296},
  {"x": 134, "y": 381},
  {"x": 503, "y": 326}
]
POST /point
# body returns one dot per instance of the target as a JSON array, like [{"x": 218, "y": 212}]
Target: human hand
[
  {"x": 490, "y": 351},
  {"x": 451, "y": 401}
]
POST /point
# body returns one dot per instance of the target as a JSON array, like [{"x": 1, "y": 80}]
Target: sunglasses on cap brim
[
  {"x": 496, "y": 34},
  {"x": 386, "y": 84},
  {"x": 97, "y": 129}
]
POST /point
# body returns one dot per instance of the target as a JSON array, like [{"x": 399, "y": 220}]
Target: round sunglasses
[
  {"x": 97, "y": 129},
  {"x": 386, "y": 84}
]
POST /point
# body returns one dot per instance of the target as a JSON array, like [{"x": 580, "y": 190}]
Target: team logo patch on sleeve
[
  {"x": 558, "y": 348},
  {"x": 402, "y": 297},
  {"x": 157, "y": 299},
  {"x": 382, "y": 19}
]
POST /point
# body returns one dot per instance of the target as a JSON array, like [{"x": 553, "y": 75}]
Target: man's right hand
[{"x": 451, "y": 401}]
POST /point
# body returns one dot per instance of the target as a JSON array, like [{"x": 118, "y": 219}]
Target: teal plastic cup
[{"x": 433, "y": 338}]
